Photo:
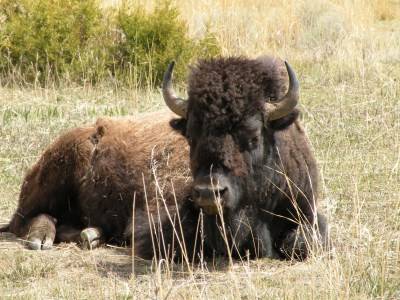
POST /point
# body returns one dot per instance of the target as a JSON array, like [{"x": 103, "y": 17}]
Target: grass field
[{"x": 347, "y": 56}]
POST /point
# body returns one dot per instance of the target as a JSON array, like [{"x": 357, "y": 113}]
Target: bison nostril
[
  {"x": 196, "y": 193},
  {"x": 220, "y": 192}
]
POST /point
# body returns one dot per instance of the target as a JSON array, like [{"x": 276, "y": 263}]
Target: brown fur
[
  {"x": 266, "y": 170},
  {"x": 90, "y": 175}
]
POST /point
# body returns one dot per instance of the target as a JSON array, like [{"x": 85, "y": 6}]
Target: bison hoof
[
  {"x": 37, "y": 244},
  {"x": 91, "y": 238},
  {"x": 42, "y": 232},
  {"x": 297, "y": 244},
  {"x": 34, "y": 244}
]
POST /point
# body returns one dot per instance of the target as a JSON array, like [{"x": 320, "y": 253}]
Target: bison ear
[
  {"x": 286, "y": 121},
  {"x": 179, "y": 125}
]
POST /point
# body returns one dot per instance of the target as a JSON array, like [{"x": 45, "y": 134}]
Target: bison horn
[
  {"x": 176, "y": 104},
  {"x": 282, "y": 107}
]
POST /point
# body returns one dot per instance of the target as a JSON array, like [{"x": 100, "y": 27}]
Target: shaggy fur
[
  {"x": 228, "y": 90},
  {"x": 92, "y": 176},
  {"x": 268, "y": 170}
]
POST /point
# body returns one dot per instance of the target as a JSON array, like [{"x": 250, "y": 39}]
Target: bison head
[{"x": 233, "y": 106}]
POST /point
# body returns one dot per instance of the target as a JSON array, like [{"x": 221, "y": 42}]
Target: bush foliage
[
  {"x": 53, "y": 40},
  {"x": 48, "y": 37},
  {"x": 151, "y": 41}
]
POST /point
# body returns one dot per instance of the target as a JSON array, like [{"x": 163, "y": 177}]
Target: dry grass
[{"x": 347, "y": 56}]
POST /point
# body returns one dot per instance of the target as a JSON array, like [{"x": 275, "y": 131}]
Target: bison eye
[
  {"x": 249, "y": 144},
  {"x": 253, "y": 143}
]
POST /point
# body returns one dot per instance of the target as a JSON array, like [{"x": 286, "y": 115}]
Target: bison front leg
[
  {"x": 299, "y": 243},
  {"x": 263, "y": 246},
  {"x": 41, "y": 232},
  {"x": 88, "y": 238}
]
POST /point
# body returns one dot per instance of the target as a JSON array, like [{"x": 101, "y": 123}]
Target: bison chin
[{"x": 214, "y": 194}]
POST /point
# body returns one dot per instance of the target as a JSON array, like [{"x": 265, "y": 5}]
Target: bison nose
[
  {"x": 208, "y": 191},
  {"x": 210, "y": 198}
]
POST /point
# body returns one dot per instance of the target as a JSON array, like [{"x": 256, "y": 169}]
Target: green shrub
[
  {"x": 152, "y": 40},
  {"x": 75, "y": 40},
  {"x": 50, "y": 37}
]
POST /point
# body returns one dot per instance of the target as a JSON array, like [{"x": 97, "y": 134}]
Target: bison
[{"x": 233, "y": 175}]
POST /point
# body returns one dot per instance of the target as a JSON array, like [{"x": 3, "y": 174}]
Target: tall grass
[{"x": 347, "y": 57}]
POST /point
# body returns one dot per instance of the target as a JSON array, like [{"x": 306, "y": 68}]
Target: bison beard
[{"x": 249, "y": 185}]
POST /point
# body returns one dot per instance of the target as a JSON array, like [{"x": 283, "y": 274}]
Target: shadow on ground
[{"x": 105, "y": 261}]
